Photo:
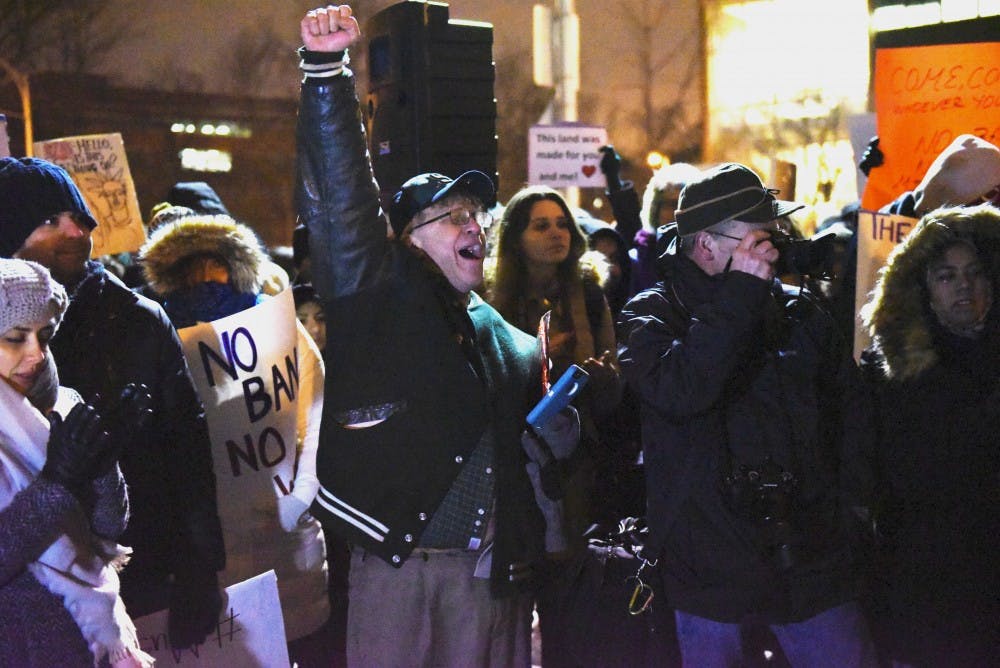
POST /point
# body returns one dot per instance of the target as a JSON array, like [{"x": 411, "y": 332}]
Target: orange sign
[{"x": 925, "y": 96}]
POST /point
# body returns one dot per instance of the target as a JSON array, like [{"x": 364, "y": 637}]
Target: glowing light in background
[
  {"x": 200, "y": 160},
  {"x": 782, "y": 77},
  {"x": 655, "y": 160}
]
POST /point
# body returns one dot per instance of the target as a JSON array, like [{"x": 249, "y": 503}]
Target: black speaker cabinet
[{"x": 430, "y": 105}]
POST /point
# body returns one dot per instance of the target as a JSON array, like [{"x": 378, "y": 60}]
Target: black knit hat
[
  {"x": 425, "y": 189},
  {"x": 199, "y": 196},
  {"x": 303, "y": 293},
  {"x": 32, "y": 191},
  {"x": 729, "y": 191}
]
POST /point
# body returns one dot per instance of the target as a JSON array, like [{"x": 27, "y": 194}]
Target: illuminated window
[
  {"x": 200, "y": 160},
  {"x": 896, "y": 14},
  {"x": 211, "y": 128}
]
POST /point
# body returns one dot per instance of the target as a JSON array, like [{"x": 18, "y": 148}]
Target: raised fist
[{"x": 329, "y": 29}]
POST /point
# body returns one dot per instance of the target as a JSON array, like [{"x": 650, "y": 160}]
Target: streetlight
[{"x": 655, "y": 160}]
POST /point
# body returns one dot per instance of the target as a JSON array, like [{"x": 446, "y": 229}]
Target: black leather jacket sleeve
[{"x": 336, "y": 194}]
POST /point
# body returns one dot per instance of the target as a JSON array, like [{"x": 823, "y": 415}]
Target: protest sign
[
  {"x": 246, "y": 370},
  {"x": 878, "y": 234},
  {"x": 565, "y": 155},
  {"x": 100, "y": 170},
  {"x": 926, "y": 96},
  {"x": 250, "y": 631}
]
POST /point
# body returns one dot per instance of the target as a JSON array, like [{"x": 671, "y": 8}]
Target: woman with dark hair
[
  {"x": 542, "y": 265},
  {"x": 935, "y": 359}
]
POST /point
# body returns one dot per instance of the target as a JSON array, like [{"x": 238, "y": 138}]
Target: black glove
[
  {"x": 79, "y": 450},
  {"x": 554, "y": 443},
  {"x": 128, "y": 415},
  {"x": 546, "y": 448},
  {"x": 872, "y": 157},
  {"x": 195, "y": 605},
  {"x": 611, "y": 167}
]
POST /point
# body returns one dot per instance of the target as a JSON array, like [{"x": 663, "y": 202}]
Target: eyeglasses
[
  {"x": 728, "y": 236},
  {"x": 778, "y": 232},
  {"x": 460, "y": 218}
]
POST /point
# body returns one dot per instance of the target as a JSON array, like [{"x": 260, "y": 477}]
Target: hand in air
[{"x": 331, "y": 28}]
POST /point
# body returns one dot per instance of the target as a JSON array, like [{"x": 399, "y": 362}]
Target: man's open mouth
[{"x": 473, "y": 252}]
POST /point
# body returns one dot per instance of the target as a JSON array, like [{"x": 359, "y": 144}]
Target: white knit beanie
[{"x": 28, "y": 294}]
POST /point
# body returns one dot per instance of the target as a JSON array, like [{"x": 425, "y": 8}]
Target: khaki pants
[{"x": 432, "y": 612}]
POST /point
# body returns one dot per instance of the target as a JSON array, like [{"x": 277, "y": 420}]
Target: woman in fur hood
[
  {"x": 935, "y": 362},
  {"x": 207, "y": 267}
]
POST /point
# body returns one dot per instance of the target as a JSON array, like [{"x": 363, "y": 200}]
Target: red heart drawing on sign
[{"x": 588, "y": 170}]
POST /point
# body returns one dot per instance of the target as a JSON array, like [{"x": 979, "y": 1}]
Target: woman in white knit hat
[{"x": 62, "y": 497}]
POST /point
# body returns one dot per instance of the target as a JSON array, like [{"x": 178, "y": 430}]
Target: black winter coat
[
  {"x": 111, "y": 336},
  {"x": 731, "y": 370},
  {"x": 937, "y": 577}
]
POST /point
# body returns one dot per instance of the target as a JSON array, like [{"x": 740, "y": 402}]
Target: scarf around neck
[{"x": 206, "y": 302}]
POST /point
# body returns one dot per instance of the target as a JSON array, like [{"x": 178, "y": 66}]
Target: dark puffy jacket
[
  {"x": 938, "y": 401},
  {"x": 111, "y": 336},
  {"x": 393, "y": 326},
  {"x": 731, "y": 370}
]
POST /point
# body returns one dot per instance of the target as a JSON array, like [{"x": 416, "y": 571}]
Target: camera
[
  {"x": 766, "y": 495},
  {"x": 815, "y": 257}
]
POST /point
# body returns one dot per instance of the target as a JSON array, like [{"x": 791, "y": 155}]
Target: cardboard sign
[
  {"x": 565, "y": 155},
  {"x": 878, "y": 234},
  {"x": 246, "y": 370},
  {"x": 100, "y": 170},
  {"x": 250, "y": 631},
  {"x": 926, "y": 96}
]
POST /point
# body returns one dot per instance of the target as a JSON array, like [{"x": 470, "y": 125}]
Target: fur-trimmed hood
[
  {"x": 898, "y": 316},
  {"x": 220, "y": 236}
]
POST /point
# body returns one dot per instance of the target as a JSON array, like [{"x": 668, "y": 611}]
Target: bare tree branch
[
  {"x": 257, "y": 54},
  {"x": 63, "y": 35}
]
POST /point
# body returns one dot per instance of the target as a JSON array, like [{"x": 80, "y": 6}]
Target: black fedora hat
[{"x": 727, "y": 192}]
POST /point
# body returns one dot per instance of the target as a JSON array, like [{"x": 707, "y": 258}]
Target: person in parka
[
  {"x": 208, "y": 267},
  {"x": 109, "y": 337},
  {"x": 754, "y": 436},
  {"x": 935, "y": 363}
]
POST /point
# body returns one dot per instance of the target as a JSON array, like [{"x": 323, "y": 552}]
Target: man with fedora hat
[
  {"x": 754, "y": 436},
  {"x": 421, "y": 465}
]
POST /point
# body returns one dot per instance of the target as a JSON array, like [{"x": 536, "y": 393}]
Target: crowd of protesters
[{"x": 772, "y": 496}]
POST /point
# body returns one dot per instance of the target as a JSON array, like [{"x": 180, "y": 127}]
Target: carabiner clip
[{"x": 642, "y": 597}]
